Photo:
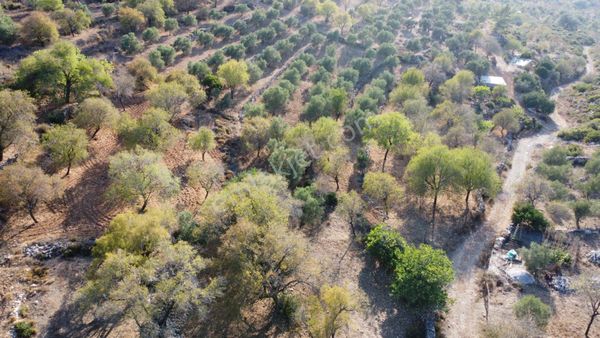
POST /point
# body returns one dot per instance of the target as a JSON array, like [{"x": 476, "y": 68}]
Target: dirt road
[{"x": 466, "y": 312}]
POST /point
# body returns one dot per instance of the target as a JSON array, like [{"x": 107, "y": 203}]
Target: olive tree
[
  {"x": 333, "y": 162},
  {"x": 432, "y": 171},
  {"x": 140, "y": 174},
  {"x": 206, "y": 174},
  {"x": 234, "y": 74},
  {"x": 475, "y": 172},
  {"x": 17, "y": 115},
  {"x": 330, "y": 311},
  {"x": 66, "y": 144},
  {"x": 94, "y": 113},
  {"x": 350, "y": 206},
  {"x": 169, "y": 96},
  {"x": 152, "y": 130},
  {"x": 158, "y": 286},
  {"x": 38, "y": 30},
  {"x": 507, "y": 120},
  {"x": 391, "y": 131},
  {"x": 62, "y": 68},
  {"x": 255, "y": 134},
  {"x": 588, "y": 287},
  {"x": 25, "y": 187},
  {"x": 203, "y": 140},
  {"x": 383, "y": 188}
]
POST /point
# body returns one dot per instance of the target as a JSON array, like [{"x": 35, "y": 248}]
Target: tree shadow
[{"x": 374, "y": 281}]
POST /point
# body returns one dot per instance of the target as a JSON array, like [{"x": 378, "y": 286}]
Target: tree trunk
[
  {"x": 337, "y": 183},
  {"x": 467, "y": 200},
  {"x": 204, "y": 152},
  {"x": 121, "y": 103},
  {"x": 30, "y": 210},
  {"x": 384, "y": 160},
  {"x": 1, "y": 153},
  {"x": 577, "y": 222},
  {"x": 143, "y": 208},
  {"x": 352, "y": 228},
  {"x": 385, "y": 207},
  {"x": 68, "y": 90},
  {"x": 433, "y": 216},
  {"x": 231, "y": 92},
  {"x": 95, "y": 132},
  {"x": 68, "y": 168},
  {"x": 589, "y": 326},
  {"x": 206, "y": 195}
]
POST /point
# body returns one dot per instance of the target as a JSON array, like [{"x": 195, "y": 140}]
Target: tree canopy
[{"x": 62, "y": 70}]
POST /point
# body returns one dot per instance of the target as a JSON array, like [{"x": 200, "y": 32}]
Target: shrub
[
  {"x": 533, "y": 308},
  {"x": 130, "y": 44},
  {"x": 538, "y": 101},
  {"x": 556, "y": 156},
  {"x": 150, "y": 34},
  {"x": 289, "y": 305},
  {"x": 559, "y": 213},
  {"x": 385, "y": 245},
  {"x": 540, "y": 257},
  {"x": 189, "y": 20},
  {"x": 108, "y": 9},
  {"x": 559, "y": 173},
  {"x": 312, "y": 209},
  {"x": 183, "y": 45},
  {"x": 421, "y": 277},
  {"x": 156, "y": 60},
  {"x": 38, "y": 29},
  {"x": 131, "y": 19},
  {"x": 525, "y": 214},
  {"x": 171, "y": 25},
  {"x": 25, "y": 329},
  {"x": 8, "y": 29}
]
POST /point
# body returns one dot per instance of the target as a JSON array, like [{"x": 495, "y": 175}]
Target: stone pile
[
  {"x": 560, "y": 284},
  {"x": 45, "y": 250},
  {"x": 594, "y": 257}
]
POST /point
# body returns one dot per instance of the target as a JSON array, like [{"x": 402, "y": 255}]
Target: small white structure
[
  {"x": 492, "y": 81},
  {"x": 519, "y": 62}
]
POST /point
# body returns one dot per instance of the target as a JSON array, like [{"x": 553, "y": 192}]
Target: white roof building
[{"x": 492, "y": 81}]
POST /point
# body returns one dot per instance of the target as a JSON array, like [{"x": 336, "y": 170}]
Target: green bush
[
  {"x": 560, "y": 173},
  {"x": 8, "y": 29},
  {"x": 130, "y": 44},
  {"x": 289, "y": 306},
  {"x": 25, "y": 329},
  {"x": 556, "y": 156},
  {"x": 171, "y": 25},
  {"x": 150, "y": 34},
  {"x": 385, "y": 245},
  {"x": 189, "y": 20},
  {"x": 525, "y": 214},
  {"x": 108, "y": 9},
  {"x": 421, "y": 276},
  {"x": 531, "y": 307},
  {"x": 312, "y": 209},
  {"x": 540, "y": 257}
]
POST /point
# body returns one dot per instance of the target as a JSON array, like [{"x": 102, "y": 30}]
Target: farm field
[{"x": 299, "y": 168}]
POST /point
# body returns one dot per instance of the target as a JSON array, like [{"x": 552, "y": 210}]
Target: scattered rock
[
  {"x": 578, "y": 161},
  {"x": 520, "y": 275},
  {"x": 560, "y": 284},
  {"x": 499, "y": 243},
  {"x": 502, "y": 166},
  {"x": 45, "y": 250},
  {"x": 594, "y": 257}
]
